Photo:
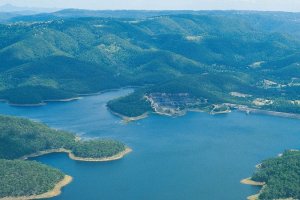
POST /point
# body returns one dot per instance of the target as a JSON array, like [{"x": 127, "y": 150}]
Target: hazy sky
[{"x": 282, "y": 5}]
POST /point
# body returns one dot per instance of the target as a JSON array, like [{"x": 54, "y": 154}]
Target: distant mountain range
[
  {"x": 41, "y": 14},
  {"x": 11, "y": 8},
  {"x": 247, "y": 58},
  {"x": 8, "y": 12}
]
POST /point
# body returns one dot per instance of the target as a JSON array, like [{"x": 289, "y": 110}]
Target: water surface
[{"x": 197, "y": 156}]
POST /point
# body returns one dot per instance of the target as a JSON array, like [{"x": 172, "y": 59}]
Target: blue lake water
[{"x": 197, "y": 156}]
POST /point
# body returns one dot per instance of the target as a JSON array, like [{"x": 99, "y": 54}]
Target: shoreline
[
  {"x": 240, "y": 108},
  {"x": 105, "y": 159},
  {"x": 78, "y": 97},
  {"x": 248, "y": 181},
  {"x": 216, "y": 106},
  {"x": 249, "y": 110},
  {"x": 43, "y": 103},
  {"x": 63, "y": 100},
  {"x": 25, "y": 105},
  {"x": 156, "y": 108},
  {"x": 220, "y": 112},
  {"x": 253, "y": 197},
  {"x": 130, "y": 119},
  {"x": 243, "y": 108},
  {"x": 275, "y": 113},
  {"x": 52, "y": 193},
  {"x": 127, "y": 119},
  {"x": 73, "y": 157}
]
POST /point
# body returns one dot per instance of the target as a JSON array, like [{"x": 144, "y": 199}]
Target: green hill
[
  {"x": 281, "y": 175},
  {"x": 26, "y": 178},
  {"x": 68, "y": 53},
  {"x": 21, "y": 137},
  {"x": 184, "y": 60}
]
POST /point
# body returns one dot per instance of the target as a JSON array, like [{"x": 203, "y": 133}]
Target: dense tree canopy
[
  {"x": 281, "y": 175},
  {"x": 59, "y": 56},
  {"x": 20, "y": 137},
  {"x": 97, "y": 148},
  {"x": 25, "y": 178}
]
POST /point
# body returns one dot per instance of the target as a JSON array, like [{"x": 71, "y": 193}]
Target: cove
[{"x": 196, "y": 156}]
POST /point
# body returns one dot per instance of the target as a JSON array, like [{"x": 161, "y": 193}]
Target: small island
[
  {"x": 279, "y": 177},
  {"x": 21, "y": 139}
]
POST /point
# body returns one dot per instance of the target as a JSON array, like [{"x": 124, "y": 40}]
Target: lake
[{"x": 196, "y": 156}]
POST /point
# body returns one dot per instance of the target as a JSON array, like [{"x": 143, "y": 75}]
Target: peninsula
[
  {"x": 279, "y": 177},
  {"x": 23, "y": 138},
  {"x": 26, "y": 180}
]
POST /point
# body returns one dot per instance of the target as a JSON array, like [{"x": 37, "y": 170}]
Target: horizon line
[{"x": 55, "y": 9}]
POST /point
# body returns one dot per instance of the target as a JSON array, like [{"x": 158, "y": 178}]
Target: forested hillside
[
  {"x": 183, "y": 60},
  {"x": 281, "y": 175},
  {"x": 72, "y": 52},
  {"x": 25, "y": 178},
  {"x": 20, "y": 138}
]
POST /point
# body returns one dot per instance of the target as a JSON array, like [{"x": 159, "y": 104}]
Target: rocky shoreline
[
  {"x": 73, "y": 157},
  {"x": 248, "y": 181}
]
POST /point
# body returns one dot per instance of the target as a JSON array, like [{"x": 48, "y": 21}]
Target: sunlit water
[{"x": 194, "y": 157}]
